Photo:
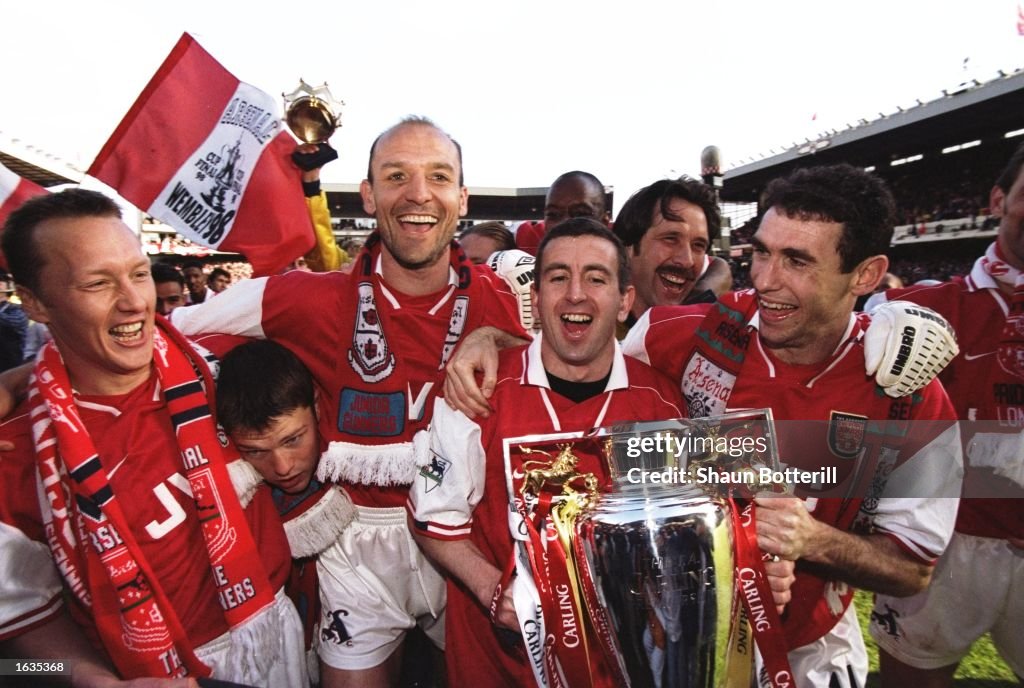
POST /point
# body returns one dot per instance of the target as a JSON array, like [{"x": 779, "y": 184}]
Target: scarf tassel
[
  {"x": 256, "y": 645},
  {"x": 245, "y": 479},
  {"x": 383, "y": 464},
  {"x": 318, "y": 528}
]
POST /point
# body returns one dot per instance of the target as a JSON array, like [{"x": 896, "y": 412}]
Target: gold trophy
[{"x": 312, "y": 113}]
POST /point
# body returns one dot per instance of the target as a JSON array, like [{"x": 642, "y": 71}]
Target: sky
[{"x": 631, "y": 91}]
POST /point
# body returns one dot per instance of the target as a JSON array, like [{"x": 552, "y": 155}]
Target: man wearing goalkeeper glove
[{"x": 794, "y": 344}]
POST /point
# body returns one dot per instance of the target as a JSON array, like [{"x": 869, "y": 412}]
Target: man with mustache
[
  {"x": 669, "y": 227},
  {"x": 793, "y": 343}
]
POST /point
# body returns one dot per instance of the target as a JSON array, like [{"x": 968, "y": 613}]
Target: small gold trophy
[{"x": 312, "y": 113}]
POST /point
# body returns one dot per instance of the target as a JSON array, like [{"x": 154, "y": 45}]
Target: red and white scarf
[
  {"x": 362, "y": 460},
  {"x": 1010, "y": 352},
  {"x": 91, "y": 537}
]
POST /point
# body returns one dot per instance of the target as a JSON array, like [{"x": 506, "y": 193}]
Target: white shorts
[
  {"x": 977, "y": 587},
  {"x": 837, "y": 659},
  {"x": 275, "y": 657},
  {"x": 375, "y": 584}
]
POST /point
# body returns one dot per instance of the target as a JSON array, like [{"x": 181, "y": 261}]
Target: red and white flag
[
  {"x": 14, "y": 190},
  {"x": 206, "y": 154},
  {"x": 1020, "y": 21}
]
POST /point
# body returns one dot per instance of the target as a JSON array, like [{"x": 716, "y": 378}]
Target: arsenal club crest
[
  {"x": 846, "y": 433},
  {"x": 370, "y": 355},
  {"x": 1010, "y": 354}
]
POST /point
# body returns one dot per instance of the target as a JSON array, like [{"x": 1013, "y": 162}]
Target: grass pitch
[{"x": 982, "y": 668}]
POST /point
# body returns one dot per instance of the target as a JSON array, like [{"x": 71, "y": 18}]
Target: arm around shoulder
[
  {"x": 238, "y": 311},
  {"x": 478, "y": 352}
]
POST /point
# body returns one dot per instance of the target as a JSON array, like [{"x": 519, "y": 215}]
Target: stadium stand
[{"x": 939, "y": 157}]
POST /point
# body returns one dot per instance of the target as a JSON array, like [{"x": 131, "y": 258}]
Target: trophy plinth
[{"x": 312, "y": 113}]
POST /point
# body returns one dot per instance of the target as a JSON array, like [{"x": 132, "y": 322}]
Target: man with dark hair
[
  {"x": 572, "y": 377},
  {"x": 378, "y": 362},
  {"x": 272, "y": 419},
  {"x": 170, "y": 288},
  {"x": 670, "y": 253},
  {"x": 573, "y": 194},
  {"x": 635, "y": 216},
  {"x": 860, "y": 203},
  {"x": 134, "y": 480},
  {"x": 794, "y": 344},
  {"x": 923, "y": 638},
  {"x": 271, "y": 415},
  {"x": 219, "y": 280},
  {"x": 485, "y": 238},
  {"x": 670, "y": 226},
  {"x": 13, "y": 325},
  {"x": 195, "y": 280}
]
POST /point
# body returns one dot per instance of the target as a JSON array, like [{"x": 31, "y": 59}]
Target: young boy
[{"x": 266, "y": 402}]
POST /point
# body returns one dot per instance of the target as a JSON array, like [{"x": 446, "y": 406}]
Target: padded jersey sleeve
[
  {"x": 30, "y": 587},
  {"x": 450, "y": 482},
  {"x": 635, "y": 342},
  {"x": 237, "y": 310},
  {"x": 500, "y": 308},
  {"x": 918, "y": 505}
]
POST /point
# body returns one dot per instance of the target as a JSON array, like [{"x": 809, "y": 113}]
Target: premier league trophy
[{"x": 627, "y": 543}]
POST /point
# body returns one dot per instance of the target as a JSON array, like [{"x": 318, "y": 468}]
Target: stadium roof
[
  {"x": 35, "y": 164},
  {"x": 971, "y": 111},
  {"x": 485, "y": 203}
]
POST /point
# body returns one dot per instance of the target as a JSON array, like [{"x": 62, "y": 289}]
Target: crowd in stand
[
  {"x": 940, "y": 268},
  {"x": 911, "y": 269}
]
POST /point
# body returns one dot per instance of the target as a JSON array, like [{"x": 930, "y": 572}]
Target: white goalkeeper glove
[
  {"x": 907, "y": 346},
  {"x": 516, "y": 268}
]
